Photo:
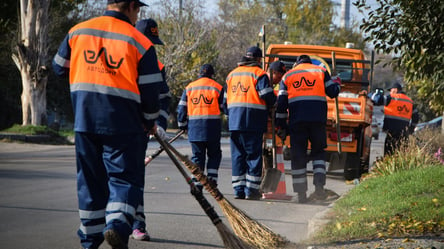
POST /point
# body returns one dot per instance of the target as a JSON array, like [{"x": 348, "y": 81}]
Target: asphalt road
[{"x": 38, "y": 201}]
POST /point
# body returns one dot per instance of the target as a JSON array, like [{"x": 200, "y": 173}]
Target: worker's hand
[
  {"x": 150, "y": 132},
  {"x": 161, "y": 133},
  {"x": 183, "y": 128},
  {"x": 336, "y": 79},
  {"x": 282, "y": 133}
]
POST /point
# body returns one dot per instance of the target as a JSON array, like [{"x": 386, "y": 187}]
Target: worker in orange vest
[
  {"x": 114, "y": 82},
  {"x": 199, "y": 112},
  {"x": 150, "y": 29},
  {"x": 275, "y": 72},
  {"x": 302, "y": 100},
  {"x": 400, "y": 116},
  {"x": 249, "y": 97}
]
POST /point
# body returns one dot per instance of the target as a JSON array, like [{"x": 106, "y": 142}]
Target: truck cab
[{"x": 350, "y": 150}]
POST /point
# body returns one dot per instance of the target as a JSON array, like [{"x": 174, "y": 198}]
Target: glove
[
  {"x": 161, "y": 133},
  {"x": 184, "y": 128},
  {"x": 282, "y": 133},
  {"x": 336, "y": 79},
  {"x": 378, "y": 97}
]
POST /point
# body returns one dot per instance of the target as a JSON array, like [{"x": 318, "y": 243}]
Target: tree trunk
[{"x": 31, "y": 58}]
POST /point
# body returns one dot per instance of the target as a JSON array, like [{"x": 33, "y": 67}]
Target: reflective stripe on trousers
[
  {"x": 246, "y": 158},
  {"x": 110, "y": 181},
  {"x": 300, "y": 134}
]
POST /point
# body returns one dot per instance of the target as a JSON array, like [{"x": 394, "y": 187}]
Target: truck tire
[{"x": 352, "y": 169}]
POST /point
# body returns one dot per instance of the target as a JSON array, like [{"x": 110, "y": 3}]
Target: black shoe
[
  {"x": 319, "y": 193},
  {"x": 302, "y": 197},
  {"x": 114, "y": 240},
  {"x": 254, "y": 197},
  {"x": 239, "y": 196}
]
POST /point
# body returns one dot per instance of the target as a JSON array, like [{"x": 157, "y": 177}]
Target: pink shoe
[{"x": 140, "y": 234}]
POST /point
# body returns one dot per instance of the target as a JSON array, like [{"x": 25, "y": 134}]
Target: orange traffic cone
[{"x": 281, "y": 190}]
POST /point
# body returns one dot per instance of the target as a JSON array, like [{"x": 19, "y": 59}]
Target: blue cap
[
  {"x": 149, "y": 28},
  {"x": 206, "y": 70},
  {"x": 397, "y": 86},
  {"x": 140, "y": 2},
  {"x": 303, "y": 59},
  {"x": 277, "y": 66},
  {"x": 254, "y": 52}
]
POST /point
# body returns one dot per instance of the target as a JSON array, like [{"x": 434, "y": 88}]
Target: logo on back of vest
[
  {"x": 239, "y": 85},
  {"x": 298, "y": 84},
  {"x": 91, "y": 57},
  {"x": 403, "y": 108},
  {"x": 197, "y": 101}
]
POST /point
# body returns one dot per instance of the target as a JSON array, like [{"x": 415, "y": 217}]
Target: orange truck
[{"x": 352, "y": 151}]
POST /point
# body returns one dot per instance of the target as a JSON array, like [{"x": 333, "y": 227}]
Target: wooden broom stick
[{"x": 230, "y": 240}]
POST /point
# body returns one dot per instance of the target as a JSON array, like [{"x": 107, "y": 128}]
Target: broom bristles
[
  {"x": 230, "y": 240},
  {"x": 250, "y": 230}
]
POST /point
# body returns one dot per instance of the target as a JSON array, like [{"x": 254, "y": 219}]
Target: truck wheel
[{"x": 352, "y": 169}]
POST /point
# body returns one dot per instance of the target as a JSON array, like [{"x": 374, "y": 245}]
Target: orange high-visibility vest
[
  {"x": 400, "y": 107},
  {"x": 305, "y": 82},
  {"x": 105, "y": 60},
  {"x": 202, "y": 98},
  {"x": 241, "y": 88},
  {"x": 161, "y": 66}
]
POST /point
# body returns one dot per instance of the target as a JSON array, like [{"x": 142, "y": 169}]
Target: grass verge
[
  {"x": 48, "y": 135},
  {"x": 403, "y": 196}
]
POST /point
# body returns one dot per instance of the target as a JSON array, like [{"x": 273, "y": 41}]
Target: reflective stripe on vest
[
  {"x": 400, "y": 107},
  {"x": 305, "y": 82},
  {"x": 202, "y": 99},
  {"x": 241, "y": 88},
  {"x": 105, "y": 59}
]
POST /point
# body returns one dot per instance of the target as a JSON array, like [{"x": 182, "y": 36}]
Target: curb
[{"x": 26, "y": 138}]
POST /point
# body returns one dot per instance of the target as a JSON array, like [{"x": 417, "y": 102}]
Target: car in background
[
  {"x": 377, "y": 121},
  {"x": 432, "y": 124},
  {"x": 375, "y": 129}
]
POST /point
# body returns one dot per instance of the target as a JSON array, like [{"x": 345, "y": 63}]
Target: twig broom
[
  {"x": 248, "y": 229},
  {"x": 230, "y": 240}
]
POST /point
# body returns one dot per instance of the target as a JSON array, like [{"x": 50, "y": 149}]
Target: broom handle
[
  {"x": 160, "y": 150},
  {"x": 338, "y": 124},
  {"x": 209, "y": 185},
  {"x": 206, "y": 206}
]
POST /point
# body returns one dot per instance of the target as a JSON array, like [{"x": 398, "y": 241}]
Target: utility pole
[
  {"x": 180, "y": 9},
  {"x": 345, "y": 14}
]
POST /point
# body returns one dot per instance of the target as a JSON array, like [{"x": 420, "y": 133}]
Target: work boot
[
  {"x": 302, "y": 197},
  {"x": 255, "y": 196},
  {"x": 319, "y": 193},
  {"x": 114, "y": 240}
]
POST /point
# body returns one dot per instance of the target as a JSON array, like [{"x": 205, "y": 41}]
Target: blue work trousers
[
  {"x": 300, "y": 135},
  {"x": 110, "y": 182},
  {"x": 246, "y": 160},
  {"x": 212, "y": 150}
]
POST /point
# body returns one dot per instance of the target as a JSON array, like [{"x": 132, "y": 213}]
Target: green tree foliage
[
  {"x": 64, "y": 15},
  {"x": 413, "y": 31},
  {"x": 309, "y": 21},
  {"x": 10, "y": 87},
  {"x": 189, "y": 40}
]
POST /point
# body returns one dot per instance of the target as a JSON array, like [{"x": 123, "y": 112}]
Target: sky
[{"x": 354, "y": 13}]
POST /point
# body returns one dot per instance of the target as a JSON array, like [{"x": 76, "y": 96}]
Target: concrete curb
[{"x": 26, "y": 138}]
